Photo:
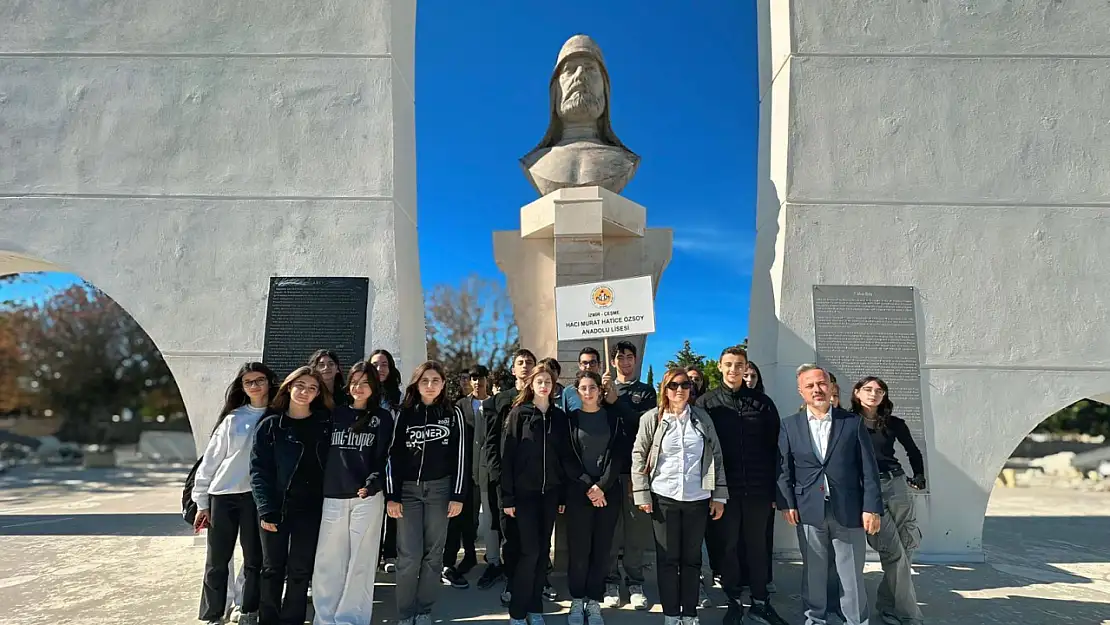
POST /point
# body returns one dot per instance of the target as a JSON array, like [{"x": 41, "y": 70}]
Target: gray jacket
[{"x": 645, "y": 454}]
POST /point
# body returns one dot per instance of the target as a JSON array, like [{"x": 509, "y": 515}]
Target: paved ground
[{"x": 100, "y": 547}]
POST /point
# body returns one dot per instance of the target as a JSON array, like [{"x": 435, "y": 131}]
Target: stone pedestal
[{"x": 573, "y": 236}]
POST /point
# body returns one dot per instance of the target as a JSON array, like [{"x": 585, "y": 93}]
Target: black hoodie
[
  {"x": 429, "y": 444},
  {"x": 612, "y": 463},
  {"x": 357, "y": 460},
  {"x": 536, "y": 456},
  {"x": 496, "y": 410}
]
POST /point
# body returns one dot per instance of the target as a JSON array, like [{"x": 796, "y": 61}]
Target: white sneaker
[
  {"x": 636, "y": 597},
  {"x": 236, "y": 614},
  {"x": 390, "y": 565},
  {"x": 593, "y": 613},
  {"x": 536, "y": 619},
  {"x": 423, "y": 619},
  {"x": 690, "y": 620},
  {"x": 612, "y": 597},
  {"x": 672, "y": 620},
  {"x": 577, "y": 615}
]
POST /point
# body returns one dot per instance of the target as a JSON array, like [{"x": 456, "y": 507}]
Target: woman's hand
[
  {"x": 454, "y": 509},
  {"x": 395, "y": 510},
  {"x": 600, "y": 502},
  {"x": 363, "y": 493},
  {"x": 269, "y": 527},
  {"x": 716, "y": 510},
  {"x": 595, "y": 493},
  {"x": 646, "y": 508},
  {"x": 510, "y": 512},
  {"x": 202, "y": 521}
]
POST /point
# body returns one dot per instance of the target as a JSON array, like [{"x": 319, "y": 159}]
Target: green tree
[
  {"x": 712, "y": 374},
  {"x": 651, "y": 376},
  {"x": 1085, "y": 416},
  {"x": 686, "y": 358},
  {"x": 84, "y": 358}
]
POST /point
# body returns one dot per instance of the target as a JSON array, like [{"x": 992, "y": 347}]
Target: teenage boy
[
  {"x": 463, "y": 529},
  {"x": 634, "y": 532}
]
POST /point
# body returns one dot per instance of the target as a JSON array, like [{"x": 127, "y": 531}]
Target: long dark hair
[
  {"x": 339, "y": 382},
  {"x": 323, "y": 399},
  {"x": 527, "y": 394},
  {"x": 412, "y": 391},
  {"x": 758, "y": 377},
  {"x": 886, "y": 407},
  {"x": 365, "y": 368},
  {"x": 236, "y": 396},
  {"x": 391, "y": 386}
]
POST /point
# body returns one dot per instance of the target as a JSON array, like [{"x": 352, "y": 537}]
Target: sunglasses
[{"x": 674, "y": 386}]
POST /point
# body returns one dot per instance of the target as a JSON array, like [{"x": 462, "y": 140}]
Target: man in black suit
[{"x": 829, "y": 483}]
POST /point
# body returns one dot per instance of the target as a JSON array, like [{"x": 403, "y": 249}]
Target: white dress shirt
[
  {"x": 680, "y": 452},
  {"x": 226, "y": 466},
  {"x": 820, "y": 427}
]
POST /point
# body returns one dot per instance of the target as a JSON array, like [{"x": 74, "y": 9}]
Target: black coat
[
  {"x": 536, "y": 454},
  {"x": 747, "y": 424},
  {"x": 275, "y": 454}
]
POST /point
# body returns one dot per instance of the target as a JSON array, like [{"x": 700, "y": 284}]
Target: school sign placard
[{"x": 604, "y": 309}]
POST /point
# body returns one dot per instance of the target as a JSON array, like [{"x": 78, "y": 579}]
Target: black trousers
[
  {"x": 588, "y": 553},
  {"x": 288, "y": 556},
  {"x": 742, "y": 540},
  {"x": 535, "y": 519},
  {"x": 510, "y": 537},
  {"x": 679, "y": 531},
  {"x": 462, "y": 530},
  {"x": 771, "y": 547},
  {"x": 231, "y": 516},
  {"x": 389, "y": 539}
]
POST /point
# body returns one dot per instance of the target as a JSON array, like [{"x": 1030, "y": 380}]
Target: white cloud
[{"x": 718, "y": 245}]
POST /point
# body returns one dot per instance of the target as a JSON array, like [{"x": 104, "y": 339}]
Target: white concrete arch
[
  {"x": 958, "y": 153},
  {"x": 178, "y": 169}
]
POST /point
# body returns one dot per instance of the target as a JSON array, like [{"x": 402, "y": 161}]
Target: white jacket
[{"x": 226, "y": 466}]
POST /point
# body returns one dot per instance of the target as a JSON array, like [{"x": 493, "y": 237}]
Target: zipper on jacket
[{"x": 543, "y": 424}]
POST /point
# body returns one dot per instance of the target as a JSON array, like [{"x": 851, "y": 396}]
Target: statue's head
[
  {"x": 580, "y": 84},
  {"x": 579, "y": 90}
]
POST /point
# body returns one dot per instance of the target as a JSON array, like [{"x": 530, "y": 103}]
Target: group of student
[{"x": 317, "y": 462}]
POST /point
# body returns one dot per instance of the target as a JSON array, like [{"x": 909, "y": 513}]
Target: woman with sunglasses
[
  {"x": 351, "y": 524},
  {"x": 222, "y": 492},
  {"x": 287, "y": 481},
  {"x": 678, "y": 478}
]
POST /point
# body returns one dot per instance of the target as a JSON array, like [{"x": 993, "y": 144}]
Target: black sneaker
[
  {"x": 549, "y": 591},
  {"x": 469, "y": 561},
  {"x": 735, "y": 613},
  {"x": 490, "y": 576},
  {"x": 451, "y": 577},
  {"x": 761, "y": 612}
]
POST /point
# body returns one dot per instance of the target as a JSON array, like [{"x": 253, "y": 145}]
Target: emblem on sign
[{"x": 602, "y": 296}]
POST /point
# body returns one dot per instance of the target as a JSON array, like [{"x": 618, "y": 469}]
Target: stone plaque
[
  {"x": 872, "y": 330},
  {"x": 307, "y": 314}
]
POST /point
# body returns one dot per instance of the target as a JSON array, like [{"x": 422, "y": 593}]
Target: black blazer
[{"x": 849, "y": 466}]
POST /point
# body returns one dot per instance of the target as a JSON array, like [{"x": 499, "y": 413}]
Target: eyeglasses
[
  {"x": 255, "y": 383},
  {"x": 474, "y": 378},
  {"x": 587, "y": 363},
  {"x": 685, "y": 386}
]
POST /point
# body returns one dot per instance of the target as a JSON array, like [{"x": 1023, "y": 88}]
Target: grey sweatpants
[
  {"x": 896, "y": 541},
  {"x": 421, "y": 534}
]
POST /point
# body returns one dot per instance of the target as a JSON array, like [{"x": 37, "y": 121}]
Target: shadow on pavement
[{"x": 142, "y": 524}]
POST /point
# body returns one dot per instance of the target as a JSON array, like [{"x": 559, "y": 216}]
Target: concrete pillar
[
  {"x": 574, "y": 236},
  {"x": 958, "y": 148},
  {"x": 178, "y": 154}
]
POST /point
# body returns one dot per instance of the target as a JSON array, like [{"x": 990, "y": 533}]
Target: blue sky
[{"x": 684, "y": 80}]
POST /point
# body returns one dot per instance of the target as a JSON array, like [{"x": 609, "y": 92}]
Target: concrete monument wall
[
  {"x": 178, "y": 154},
  {"x": 959, "y": 148}
]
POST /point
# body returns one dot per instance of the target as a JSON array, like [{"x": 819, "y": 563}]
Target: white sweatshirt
[{"x": 226, "y": 466}]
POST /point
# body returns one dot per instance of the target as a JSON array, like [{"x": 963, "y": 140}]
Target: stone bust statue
[{"x": 579, "y": 148}]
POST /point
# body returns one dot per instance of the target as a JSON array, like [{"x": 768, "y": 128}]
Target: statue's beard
[{"x": 581, "y": 106}]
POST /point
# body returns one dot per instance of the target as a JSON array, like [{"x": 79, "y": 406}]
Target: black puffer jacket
[
  {"x": 536, "y": 456},
  {"x": 747, "y": 424}
]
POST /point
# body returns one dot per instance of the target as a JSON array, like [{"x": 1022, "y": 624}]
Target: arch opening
[{"x": 82, "y": 383}]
